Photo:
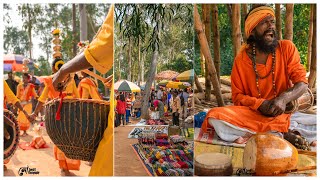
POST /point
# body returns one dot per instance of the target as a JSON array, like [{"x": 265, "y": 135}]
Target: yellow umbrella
[{"x": 178, "y": 85}]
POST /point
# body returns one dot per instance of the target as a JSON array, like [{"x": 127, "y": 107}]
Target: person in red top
[{"x": 121, "y": 109}]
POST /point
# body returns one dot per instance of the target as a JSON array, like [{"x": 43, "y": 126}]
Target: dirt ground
[
  {"x": 126, "y": 163},
  {"x": 41, "y": 159}
]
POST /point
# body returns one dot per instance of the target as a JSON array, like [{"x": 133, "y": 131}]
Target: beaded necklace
[{"x": 263, "y": 77}]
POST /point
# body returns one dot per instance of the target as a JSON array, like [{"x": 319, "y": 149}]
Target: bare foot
[
  {"x": 5, "y": 167},
  {"x": 313, "y": 143}
]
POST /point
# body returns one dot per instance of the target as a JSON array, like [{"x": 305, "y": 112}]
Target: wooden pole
[
  {"x": 313, "y": 65},
  {"x": 289, "y": 22},
  {"x": 206, "y": 51},
  {"x": 278, "y": 21}
]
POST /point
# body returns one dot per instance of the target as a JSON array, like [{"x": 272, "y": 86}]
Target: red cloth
[{"x": 121, "y": 107}]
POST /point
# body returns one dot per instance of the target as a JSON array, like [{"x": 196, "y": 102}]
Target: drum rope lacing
[{"x": 61, "y": 95}]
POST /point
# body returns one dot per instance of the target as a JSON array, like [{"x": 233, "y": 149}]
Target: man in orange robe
[{"x": 260, "y": 79}]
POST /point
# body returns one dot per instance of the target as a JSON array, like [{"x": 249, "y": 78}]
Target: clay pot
[{"x": 266, "y": 153}]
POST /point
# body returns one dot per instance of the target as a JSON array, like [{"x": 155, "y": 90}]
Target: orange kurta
[
  {"x": 25, "y": 94},
  {"x": 88, "y": 89},
  {"x": 49, "y": 92},
  {"x": 245, "y": 97}
]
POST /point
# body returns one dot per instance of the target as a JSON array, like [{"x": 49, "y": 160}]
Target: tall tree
[
  {"x": 30, "y": 14},
  {"x": 236, "y": 30},
  {"x": 206, "y": 22},
  {"x": 313, "y": 66},
  {"x": 289, "y": 22},
  {"x": 216, "y": 39},
  {"x": 74, "y": 29},
  {"x": 206, "y": 51},
  {"x": 83, "y": 22},
  {"x": 244, "y": 12},
  {"x": 310, "y": 38},
  {"x": 15, "y": 41},
  {"x": 278, "y": 21}
]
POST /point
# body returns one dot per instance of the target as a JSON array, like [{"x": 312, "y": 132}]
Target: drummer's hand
[
  {"x": 31, "y": 117},
  {"x": 57, "y": 79},
  {"x": 265, "y": 107},
  {"x": 278, "y": 106}
]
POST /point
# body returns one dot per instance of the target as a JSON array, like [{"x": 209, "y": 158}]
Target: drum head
[{"x": 10, "y": 145}]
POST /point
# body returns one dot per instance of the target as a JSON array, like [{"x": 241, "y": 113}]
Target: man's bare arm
[{"x": 76, "y": 64}]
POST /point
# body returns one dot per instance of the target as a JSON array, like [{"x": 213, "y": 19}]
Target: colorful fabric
[
  {"x": 88, "y": 89},
  {"x": 245, "y": 96},
  {"x": 26, "y": 93},
  {"x": 23, "y": 121},
  {"x": 255, "y": 17},
  {"x": 8, "y": 94},
  {"x": 121, "y": 107},
  {"x": 64, "y": 162}
]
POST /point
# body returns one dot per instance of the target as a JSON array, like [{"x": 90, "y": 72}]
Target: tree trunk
[
  {"x": 310, "y": 38},
  {"x": 202, "y": 63},
  {"x": 139, "y": 62},
  {"x": 142, "y": 67},
  {"x": 244, "y": 13},
  {"x": 129, "y": 69},
  {"x": 206, "y": 51},
  {"x": 313, "y": 66},
  {"x": 198, "y": 85},
  {"x": 236, "y": 33},
  {"x": 30, "y": 32},
  {"x": 74, "y": 30},
  {"x": 206, "y": 22},
  {"x": 289, "y": 22},
  {"x": 83, "y": 23},
  {"x": 278, "y": 21},
  {"x": 216, "y": 39},
  {"x": 152, "y": 73}
]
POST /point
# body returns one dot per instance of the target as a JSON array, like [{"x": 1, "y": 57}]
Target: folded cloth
[{"x": 305, "y": 124}]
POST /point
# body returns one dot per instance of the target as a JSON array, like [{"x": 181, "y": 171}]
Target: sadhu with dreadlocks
[{"x": 260, "y": 79}]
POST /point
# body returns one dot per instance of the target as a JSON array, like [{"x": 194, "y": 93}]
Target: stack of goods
[
  {"x": 170, "y": 162},
  {"x": 178, "y": 142},
  {"x": 146, "y": 138},
  {"x": 155, "y": 122},
  {"x": 135, "y": 132}
]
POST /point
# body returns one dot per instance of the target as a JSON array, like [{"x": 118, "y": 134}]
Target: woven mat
[
  {"x": 237, "y": 155},
  {"x": 212, "y": 138},
  {"x": 143, "y": 160}
]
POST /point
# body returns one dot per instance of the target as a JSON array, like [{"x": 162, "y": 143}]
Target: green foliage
[
  {"x": 44, "y": 67},
  {"x": 138, "y": 23},
  {"x": 301, "y": 17},
  {"x": 15, "y": 41}
]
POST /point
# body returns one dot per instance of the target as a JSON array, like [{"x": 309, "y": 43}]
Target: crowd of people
[{"x": 163, "y": 103}]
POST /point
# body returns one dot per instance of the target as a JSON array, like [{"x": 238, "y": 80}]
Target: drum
[
  {"x": 302, "y": 104},
  {"x": 213, "y": 164},
  {"x": 80, "y": 128},
  {"x": 11, "y": 134},
  {"x": 265, "y": 154}
]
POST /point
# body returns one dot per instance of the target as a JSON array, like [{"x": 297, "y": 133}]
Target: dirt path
[
  {"x": 126, "y": 163},
  {"x": 41, "y": 159}
]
